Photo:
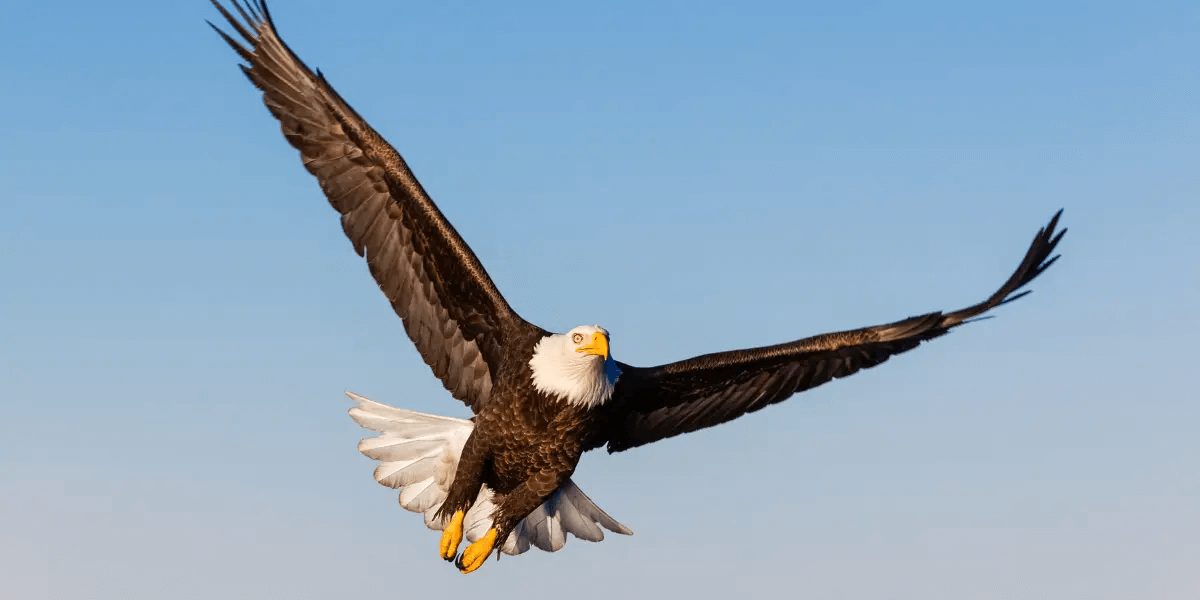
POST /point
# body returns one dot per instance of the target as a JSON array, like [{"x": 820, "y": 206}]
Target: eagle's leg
[
  {"x": 451, "y": 536},
  {"x": 510, "y": 509},
  {"x": 474, "y": 555},
  {"x": 468, "y": 479}
]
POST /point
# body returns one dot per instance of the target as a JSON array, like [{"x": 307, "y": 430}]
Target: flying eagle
[{"x": 540, "y": 399}]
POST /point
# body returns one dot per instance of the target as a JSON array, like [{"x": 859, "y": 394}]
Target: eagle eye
[{"x": 577, "y": 338}]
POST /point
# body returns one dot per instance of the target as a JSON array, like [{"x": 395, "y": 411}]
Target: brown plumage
[
  {"x": 708, "y": 390},
  {"x": 530, "y": 428},
  {"x": 451, "y": 309}
]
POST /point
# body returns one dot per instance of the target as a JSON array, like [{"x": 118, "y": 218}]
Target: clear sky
[{"x": 179, "y": 310}]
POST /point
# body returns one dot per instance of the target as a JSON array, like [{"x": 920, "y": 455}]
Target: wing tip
[{"x": 1038, "y": 258}]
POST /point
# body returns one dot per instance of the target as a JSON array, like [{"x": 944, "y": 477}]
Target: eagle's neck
[{"x": 578, "y": 379}]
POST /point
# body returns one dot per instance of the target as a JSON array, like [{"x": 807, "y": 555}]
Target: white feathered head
[{"x": 575, "y": 366}]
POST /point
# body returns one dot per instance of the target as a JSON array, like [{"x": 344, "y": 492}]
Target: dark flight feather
[
  {"x": 655, "y": 403},
  {"x": 451, "y": 309}
]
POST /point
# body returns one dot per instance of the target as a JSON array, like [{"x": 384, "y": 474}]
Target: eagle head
[{"x": 575, "y": 366}]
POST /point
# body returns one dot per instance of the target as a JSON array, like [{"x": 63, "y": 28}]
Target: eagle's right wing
[
  {"x": 650, "y": 404},
  {"x": 451, "y": 309}
]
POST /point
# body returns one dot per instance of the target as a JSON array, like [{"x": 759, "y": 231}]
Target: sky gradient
[{"x": 180, "y": 312}]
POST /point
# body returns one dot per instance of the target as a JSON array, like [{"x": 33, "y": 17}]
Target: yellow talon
[
  {"x": 451, "y": 537},
  {"x": 472, "y": 558}
]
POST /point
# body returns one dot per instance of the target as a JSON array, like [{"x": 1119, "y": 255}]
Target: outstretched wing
[
  {"x": 451, "y": 309},
  {"x": 650, "y": 404}
]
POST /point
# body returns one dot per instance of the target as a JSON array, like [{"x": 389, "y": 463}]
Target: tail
[{"x": 419, "y": 454}]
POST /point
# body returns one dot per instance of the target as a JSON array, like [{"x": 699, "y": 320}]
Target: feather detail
[
  {"x": 418, "y": 453},
  {"x": 567, "y": 510}
]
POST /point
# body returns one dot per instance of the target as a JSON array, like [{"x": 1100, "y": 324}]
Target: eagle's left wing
[
  {"x": 452, "y": 311},
  {"x": 650, "y": 404}
]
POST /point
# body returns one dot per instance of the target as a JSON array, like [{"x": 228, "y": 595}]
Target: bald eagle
[{"x": 540, "y": 400}]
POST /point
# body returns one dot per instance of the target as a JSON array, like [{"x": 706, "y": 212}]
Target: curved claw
[{"x": 474, "y": 555}]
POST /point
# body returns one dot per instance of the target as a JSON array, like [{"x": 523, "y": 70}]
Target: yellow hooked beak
[{"x": 598, "y": 345}]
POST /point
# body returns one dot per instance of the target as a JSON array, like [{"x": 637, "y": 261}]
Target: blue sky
[{"x": 180, "y": 311}]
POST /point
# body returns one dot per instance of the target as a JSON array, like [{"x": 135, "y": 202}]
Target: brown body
[{"x": 524, "y": 446}]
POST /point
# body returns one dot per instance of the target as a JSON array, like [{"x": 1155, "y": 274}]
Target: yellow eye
[{"x": 577, "y": 338}]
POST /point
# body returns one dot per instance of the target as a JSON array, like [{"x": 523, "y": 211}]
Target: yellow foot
[
  {"x": 451, "y": 537},
  {"x": 472, "y": 558}
]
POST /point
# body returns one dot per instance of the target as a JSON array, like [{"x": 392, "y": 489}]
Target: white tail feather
[{"x": 419, "y": 454}]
